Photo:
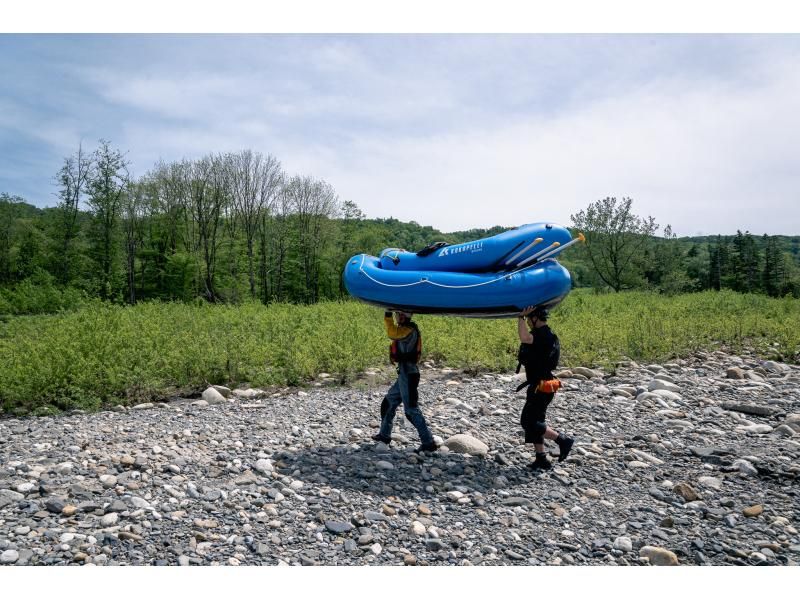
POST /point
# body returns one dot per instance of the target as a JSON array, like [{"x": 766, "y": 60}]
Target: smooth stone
[
  {"x": 744, "y": 466},
  {"x": 466, "y": 444},
  {"x": 685, "y": 491},
  {"x": 753, "y": 511},
  {"x": 623, "y": 543},
  {"x": 658, "y": 556},
  {"x": 711, "y": 482},
  {"x": 338, "y": 527},
  {"x": 659, "y": 384},
  {"x": 213, "y": 396}
]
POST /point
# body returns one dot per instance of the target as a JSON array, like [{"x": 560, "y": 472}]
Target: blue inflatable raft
[{"x": 495, "y": 277}]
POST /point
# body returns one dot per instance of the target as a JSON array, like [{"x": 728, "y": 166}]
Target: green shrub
[{"x": 104, "y": 354}]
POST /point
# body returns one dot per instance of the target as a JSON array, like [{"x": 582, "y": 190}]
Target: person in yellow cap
[
  {"x": 539, "y": 352},
  {"x": 405, "y": 352}
]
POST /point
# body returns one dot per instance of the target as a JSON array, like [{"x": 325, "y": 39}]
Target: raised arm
[{"x": 525, "y": 335}]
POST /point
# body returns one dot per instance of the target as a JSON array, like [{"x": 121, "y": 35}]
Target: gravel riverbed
[{"x": 694, "y": 462}]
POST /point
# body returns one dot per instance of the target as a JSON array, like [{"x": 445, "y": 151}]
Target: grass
[{"x": 105, "y": 354}]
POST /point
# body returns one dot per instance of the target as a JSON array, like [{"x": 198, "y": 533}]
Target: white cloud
[{"x": 462, "y": 132}]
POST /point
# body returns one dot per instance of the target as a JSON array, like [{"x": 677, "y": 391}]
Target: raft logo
[{"x": 469, "y": 247}]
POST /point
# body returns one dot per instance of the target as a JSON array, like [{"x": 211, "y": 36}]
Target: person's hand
[{"x": 527, "y": 311}]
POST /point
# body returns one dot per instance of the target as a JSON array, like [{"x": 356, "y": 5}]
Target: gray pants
[{"x": 404, "y": 391}]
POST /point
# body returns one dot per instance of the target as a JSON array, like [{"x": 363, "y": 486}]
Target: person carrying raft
[
  {"x": 539, "y": 353},
  {"x": 405, "y": 352}
]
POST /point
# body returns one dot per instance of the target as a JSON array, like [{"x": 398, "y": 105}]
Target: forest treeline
[{"x": 235, "y": 227}]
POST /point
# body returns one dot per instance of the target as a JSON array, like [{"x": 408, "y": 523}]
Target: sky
[{"x": 454, "y": 131}]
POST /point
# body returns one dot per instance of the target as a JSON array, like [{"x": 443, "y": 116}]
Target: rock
[
  {"x": 9, "y": 557},
  {"x": 684, "y": 490},
  {"x": 417, "y": 528},
  {"x": 338, "y": 527},
  {"x": 735, "y": 373},
  {"x": 223, "y": 390},
  {"x": 434, "y": 544},
  {"x": 591, "y": 493},
  {"x": 69, "y": 510},
  {"x": 212, "y": 396},
  {"x": 711, "y": 482},
  {"x": 745, "y": 467},
  {"x": 263, "y": 466},
  {"x": 247, "y": 393},
  {"x": 588, "y": 373},
  {"x": 109, "y": 519},
  {"x": 658, "y": 556},
  {"x": 753, "y": 511},
  {"x": 785, "y": 431},
  {"x": 246, "y": 479},
  {"x": 755, "y": 429},
  {"x": 409, "y": 560},
  {"x": 55, "y": 505},
  {"x": 108, "y": 481},
  {"x": 750, "y": 408},
  {"x": 142, "y": 406},
  {"x": 623, "y": 543},
  {"x": 464, "y": 443},
  {"x": 667, "y": 394},
  {"x": 659, "y": 384}
]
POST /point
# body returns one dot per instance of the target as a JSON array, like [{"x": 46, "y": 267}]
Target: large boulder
[
  {"x": 464, "y": 443},
  {"x": 211, "y": 396}
]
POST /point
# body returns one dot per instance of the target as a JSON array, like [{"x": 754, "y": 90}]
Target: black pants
[{"x": 533, "y": 413}]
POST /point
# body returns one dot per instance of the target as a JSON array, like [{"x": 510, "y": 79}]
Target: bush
[
  {"x": 39, "y": 295},
  {"x": 103, "y": 354}
]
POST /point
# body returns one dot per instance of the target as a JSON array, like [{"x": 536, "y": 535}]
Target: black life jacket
[
  {"x": 398, "y": 356},
  {"x": 526, "y": 356}
]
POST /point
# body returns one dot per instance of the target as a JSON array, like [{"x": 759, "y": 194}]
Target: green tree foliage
[
  {"x": 615, "y": 240},
  {"x": 107, "y": 183},
  {"x": 234, "y": 228}
]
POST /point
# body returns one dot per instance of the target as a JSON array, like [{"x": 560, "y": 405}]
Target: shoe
[
  {"x": 565, "y": 447},
  {"x": 383, "y": 439},
  {"x": 540, "y": 464},
  {"x": 429, "y": 447}
]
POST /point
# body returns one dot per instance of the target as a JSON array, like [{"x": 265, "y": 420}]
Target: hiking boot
[
  {"x": 428, "y": 447},
  {"x": 383, "y": 439},
  {"x": 540, "y": 464},
  {"x": 565, "y": 446}
]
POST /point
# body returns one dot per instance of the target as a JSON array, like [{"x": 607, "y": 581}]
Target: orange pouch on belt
[{"x": 551, "y": 385}]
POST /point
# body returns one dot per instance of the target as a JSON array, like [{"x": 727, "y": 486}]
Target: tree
[
  {"x": 134, "y": 203},
  {"x": 206, "y": 200},
  {"x": 615, "y": 238},
  {"x": 314, "y": 203},
  {"x": 9, "y": 213},
  {"x": 73, "y": 179},
  {"x": 107, "y": 183},
  {"x": 745, "y": 262},
  {"x": 255, "y": 182}
]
